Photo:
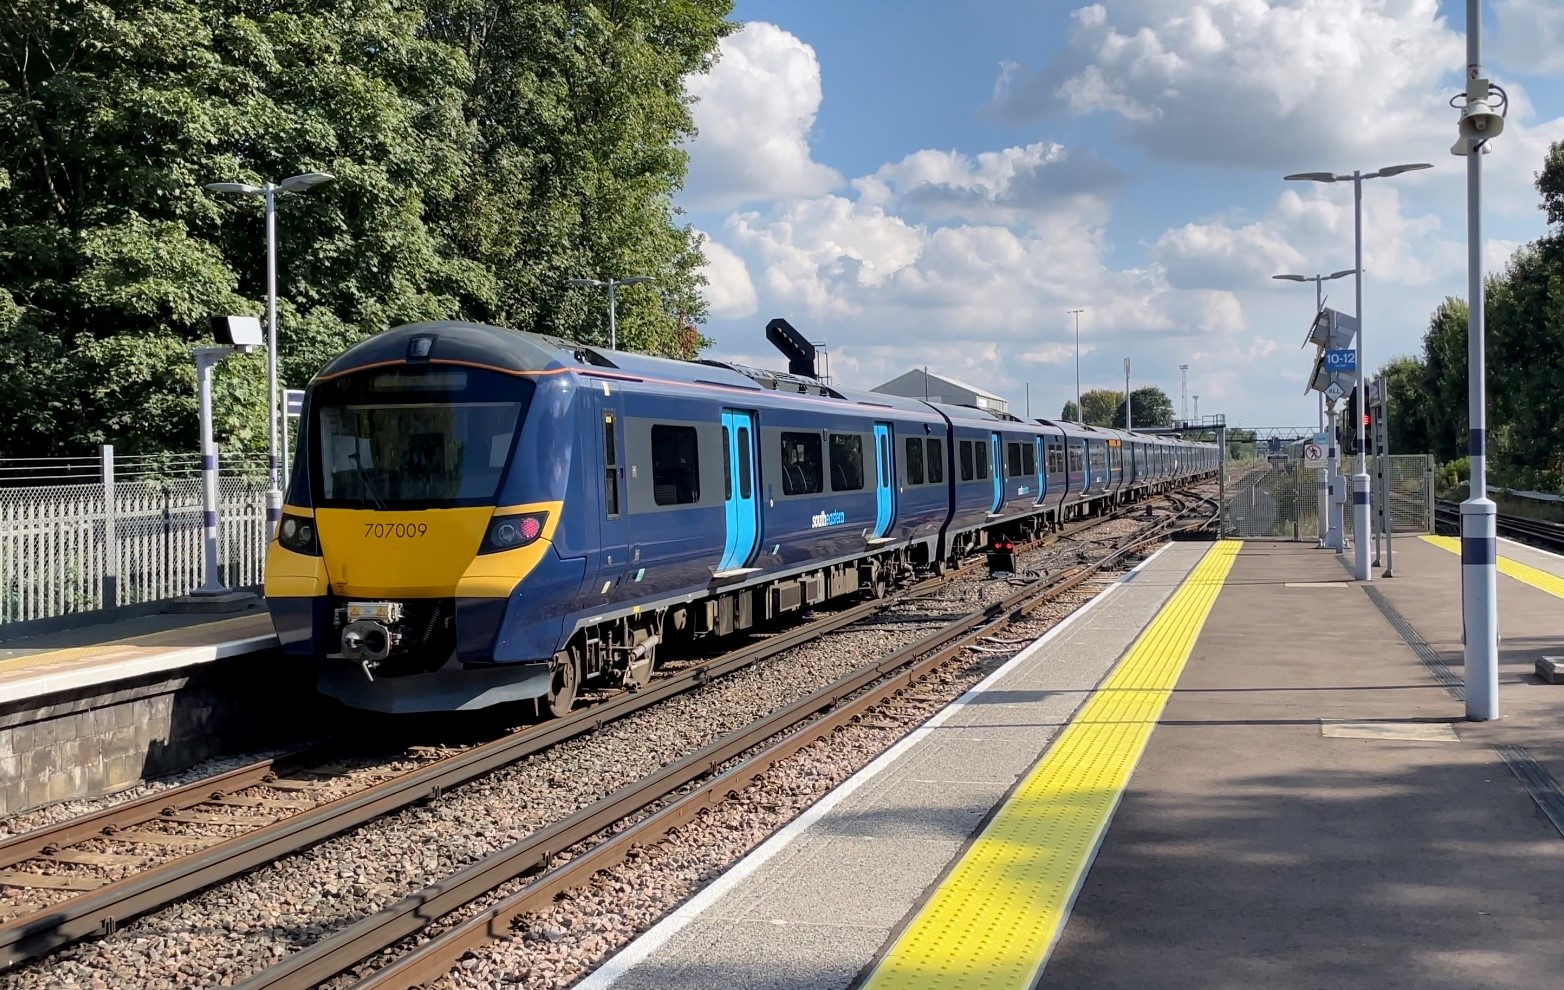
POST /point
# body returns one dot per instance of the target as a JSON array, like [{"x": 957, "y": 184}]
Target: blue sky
[{"x": 939, "y": 182}]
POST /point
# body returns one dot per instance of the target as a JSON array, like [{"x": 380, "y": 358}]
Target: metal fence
[
  {"x": 1279, "y": 499},
  {"x": 79, "y": 547}
]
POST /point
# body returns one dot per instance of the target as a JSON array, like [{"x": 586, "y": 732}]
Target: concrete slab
[{"x": 865, "y": 855}]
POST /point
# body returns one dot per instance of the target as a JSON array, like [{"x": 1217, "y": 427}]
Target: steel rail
[
  {"x": 885, "y": 678},
  {"x": 101, "y": 911}
]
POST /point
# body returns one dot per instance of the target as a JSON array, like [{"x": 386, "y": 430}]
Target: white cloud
[
  {"x": 1012, "y": 186},
  {"x": 729, "y": 291},
  {"x": 1530, "y": 36},
  {"x": 753, "y": 115},
  {"x": 1251, "y": 82}
]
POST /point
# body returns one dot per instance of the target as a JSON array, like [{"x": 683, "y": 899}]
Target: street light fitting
[
  {"x": 1316, "y": 176},
  {"x": 235, "y": 187},
  {"x": 1341, "y": 274},
  {"x": 592, "y": 282},
  {"x": 633, "y": 279},
  {"x": 299, "y": 183},
  {"x": 1292, "y": 278},
  {"x": 1390, "y": 170}
]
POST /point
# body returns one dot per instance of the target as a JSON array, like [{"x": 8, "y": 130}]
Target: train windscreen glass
[{"x": 415, "y": 437}]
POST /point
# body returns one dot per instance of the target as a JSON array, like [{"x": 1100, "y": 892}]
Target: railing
[{"x": 87, "y": 545}]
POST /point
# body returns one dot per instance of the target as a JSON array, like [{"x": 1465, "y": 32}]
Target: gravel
[{"x": 231, "y": 931}]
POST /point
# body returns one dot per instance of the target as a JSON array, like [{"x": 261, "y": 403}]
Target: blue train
[{"x": 478, "y": 515}]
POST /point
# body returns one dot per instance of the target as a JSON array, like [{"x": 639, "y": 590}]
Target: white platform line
[
  {"x": 658, "y": 935},
  {"x": 1528, "y": 546}
]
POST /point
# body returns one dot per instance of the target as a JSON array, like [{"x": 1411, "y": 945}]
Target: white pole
[
  {"x": 1360, "y": 480},
  {"x": 274, "y": 491},
  {"x": 613, "y": 329},
  {"x": 1128, "y": 419},
  {"x": 110, "y": 546},
  {"x": 1479, "y": 532},
  {"x": 207, "y": 358},
  {"x": 1322, "y": 483}
]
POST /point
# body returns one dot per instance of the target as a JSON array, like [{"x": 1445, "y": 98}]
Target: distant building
[{"x": 919, "y": 384}]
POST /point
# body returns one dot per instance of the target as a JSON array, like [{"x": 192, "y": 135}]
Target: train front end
[{"x": 416, "y": 518}]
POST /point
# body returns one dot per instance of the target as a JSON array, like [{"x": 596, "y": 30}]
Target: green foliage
[
  {"x": 1524, "y": 335},
  {"x": 1100, "y": 404},
  {"x": 483, "y": 152},
  {"x": 1151, "y": 406},
  {"x": 1070, "y": 412},
  {"x": 1450, "y": 474}
]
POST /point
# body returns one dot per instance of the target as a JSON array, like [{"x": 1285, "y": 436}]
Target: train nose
[{"x": 366, "y": 640}]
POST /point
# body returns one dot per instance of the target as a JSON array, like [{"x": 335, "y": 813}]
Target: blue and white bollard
[
  {"x": 1480, "y": 606},
  {"x": 1361, "y": 538}
]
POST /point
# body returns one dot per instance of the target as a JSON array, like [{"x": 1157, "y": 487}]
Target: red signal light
[{"x": 1365, "y": 419}]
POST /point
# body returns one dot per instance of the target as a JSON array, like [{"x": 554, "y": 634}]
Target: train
[{"x": 477, "y": 515}]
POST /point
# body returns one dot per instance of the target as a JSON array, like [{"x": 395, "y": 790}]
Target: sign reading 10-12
[{"x": 1341, "y": 359}]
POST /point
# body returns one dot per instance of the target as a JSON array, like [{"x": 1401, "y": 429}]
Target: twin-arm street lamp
[
  {"x": 1360, "y": 481},
  {"x": 610, "y": 284}
]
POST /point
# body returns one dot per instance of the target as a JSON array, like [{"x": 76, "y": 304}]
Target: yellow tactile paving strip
[
  {"x": 151, "y": 644},
  {"x": 1540, "y": 579},
  {"x": 994, "y": 919}
]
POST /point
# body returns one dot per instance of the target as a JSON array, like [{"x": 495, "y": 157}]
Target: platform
[
  {"x": 88, "y": 710},
  {"x": 1309, "y": 810}
]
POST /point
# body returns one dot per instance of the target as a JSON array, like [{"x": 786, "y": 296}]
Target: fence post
[
  {"x": 1428, "y": 490},
  {"x": 110, "y": 546}
]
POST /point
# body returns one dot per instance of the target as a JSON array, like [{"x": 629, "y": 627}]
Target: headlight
[
  {"x": 513, "y": 531},
  {"x": 297, "y": 533}
]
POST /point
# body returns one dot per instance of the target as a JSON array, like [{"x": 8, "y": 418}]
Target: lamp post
[
  {"x": 1127, "y": 418},
  {"x": 269, "y": 191},
  {"x": 1330, "y": 526},
  {"x": 1183, "y": 392},
  {"x": 1480, "y": 122},
  {"x": 610, "y": 284},
  {"x": 1360, "y": 480},
  {"x": 1080, "y": 414}
]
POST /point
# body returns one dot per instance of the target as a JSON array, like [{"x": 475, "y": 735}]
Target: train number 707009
[{"x": 395, "y": 531}]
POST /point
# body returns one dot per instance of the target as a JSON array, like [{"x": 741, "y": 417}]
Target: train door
[
  {"x": 613, "y": 544},
  {"x": 885, "y": 481},
  {"x": 740, "y": 499},
  {"x": 998, "y": 461},
  {"x": 1042, "y": 470}
]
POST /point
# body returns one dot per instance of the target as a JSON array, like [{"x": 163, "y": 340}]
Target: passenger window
[
  {"x": 846, "y": 462},
  {"x": 936, "y": 461},
  {"x": 966, "y": 461},
  {"x": 980, "y": 449},
  {"x": 676, "y": 475},
  {"x": 914, "y": 461},
  {"x": 1015, "y": 459},
  {"x": 746, "y": 483},
  {"x": 610, "y": 469},
  {"x": 1029, "y": 460},
  {"x": 802, "y": 464}
]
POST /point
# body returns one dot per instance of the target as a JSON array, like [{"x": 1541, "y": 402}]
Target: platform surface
[
  {"x": 820, "y": 899},
  {"x": 98, "y": 653},
  {"x": 1311, "y": 810}
]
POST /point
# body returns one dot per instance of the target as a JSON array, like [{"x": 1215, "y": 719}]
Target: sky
[{"x": 939, "y": 182}]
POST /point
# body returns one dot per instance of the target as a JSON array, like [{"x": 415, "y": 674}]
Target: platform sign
[
  {"x": 1341, "y": 359},
  {"x": 1334, "y": 391},
  {"x": 1314, "y": 455},
  {"x": 293, "y": 401}
]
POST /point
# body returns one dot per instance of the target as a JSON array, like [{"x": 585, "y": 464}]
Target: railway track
[
  {"x": 1546, "y": 535},
  {"x": 96, "y": 872},
  {"x": 643, "y": 813}
]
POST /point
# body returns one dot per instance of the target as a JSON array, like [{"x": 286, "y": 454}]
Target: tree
[
  {"x": 484, "y": 154},
  {"x": 1070, "y": 413},
  {"x": 1099, "y": 404},
  {"x": 1411, "y": 413},
  {"x": 1151, "y": 406}
]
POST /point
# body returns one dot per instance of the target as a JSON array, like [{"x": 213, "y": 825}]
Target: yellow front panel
[
  {"x": 993, "y": 920},
  {"x": 293, "y": 575},
  {"x": 416, "y": 554}
]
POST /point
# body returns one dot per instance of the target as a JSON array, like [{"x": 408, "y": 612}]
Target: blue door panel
[
  {"x": 997, "y": 461},
  {"x": 885, "y": 480},
  {"x": 741, "y": 506}
]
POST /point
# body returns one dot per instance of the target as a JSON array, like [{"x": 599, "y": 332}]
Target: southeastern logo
[{"x": 823, "y": 519}]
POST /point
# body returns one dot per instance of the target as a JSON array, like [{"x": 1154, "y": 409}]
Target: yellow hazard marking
[
  {"x": 995, "y": 918},
  {"x": 1540, "y": 579}
]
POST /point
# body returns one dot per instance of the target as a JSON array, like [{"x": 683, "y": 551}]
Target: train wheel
[{"x": 563, "y": 685}]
